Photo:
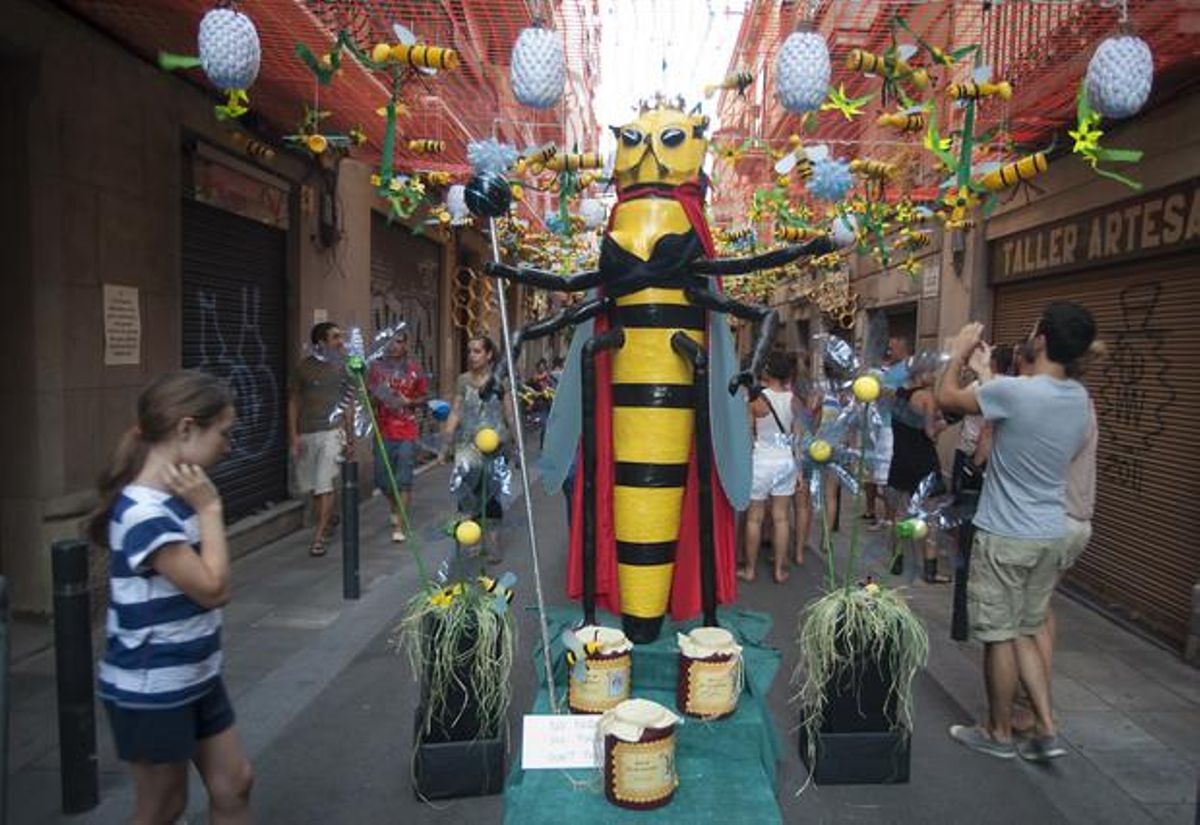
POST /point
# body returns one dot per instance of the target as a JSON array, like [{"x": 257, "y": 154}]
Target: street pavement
[{"x": 325, "y": 705}]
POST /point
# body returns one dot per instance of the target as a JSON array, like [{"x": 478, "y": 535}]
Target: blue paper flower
[
  {"x": 490, "y": 156},
  {"x": 830, "y": 179}
]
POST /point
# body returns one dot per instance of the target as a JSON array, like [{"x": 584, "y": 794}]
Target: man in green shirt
[{"x": 317, "y": 437}]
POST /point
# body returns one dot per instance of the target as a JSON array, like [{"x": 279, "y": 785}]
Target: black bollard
[
  {"x": 350, "y": 589},
  {"x": 959, "y": 621},
  {"x": 78, "y": 767},
  {"x": 3, "y": 700}
]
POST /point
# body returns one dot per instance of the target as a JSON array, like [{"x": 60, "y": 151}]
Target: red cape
[{"x": 685, "y": 588}]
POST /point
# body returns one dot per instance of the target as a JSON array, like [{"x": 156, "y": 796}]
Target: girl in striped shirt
[{"x": 160, "y": 679}]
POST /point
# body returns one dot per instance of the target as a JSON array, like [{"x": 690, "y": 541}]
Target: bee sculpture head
[{"x": 663, "y": 145}]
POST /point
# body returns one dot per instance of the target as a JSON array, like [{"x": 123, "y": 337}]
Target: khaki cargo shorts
[
  {"x": 1010, "y": 585},
  {"x": 317, "y": 464}
]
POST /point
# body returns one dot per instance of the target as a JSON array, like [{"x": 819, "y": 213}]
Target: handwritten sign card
[{"x": 567, "y": 741}]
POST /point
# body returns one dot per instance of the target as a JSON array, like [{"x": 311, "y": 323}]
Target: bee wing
[
  {"x": 786, "y": 163},
  {"x": 818, "y": 152},
  {"x": 981, "y": 74},
  {"x": 906, "y": 50},
  {"x": 987, "y": 166},
  {"x": 913, "y": 110}
]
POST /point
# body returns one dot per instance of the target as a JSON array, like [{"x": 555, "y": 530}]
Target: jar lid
[
  {"x": 610, "y": 639},
  {"x": 632, "y": 717},
  {"x": 703, "y": 642}
]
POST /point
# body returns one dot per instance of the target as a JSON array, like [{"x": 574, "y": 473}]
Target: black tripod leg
[
  {"x": 692, "y": 351},
  {"x": 611, "y": 339}
]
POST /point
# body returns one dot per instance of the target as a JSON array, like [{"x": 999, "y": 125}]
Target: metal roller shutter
[
  {"x": 234, "y": 302},
  {"x": 1142, "y": 561}
]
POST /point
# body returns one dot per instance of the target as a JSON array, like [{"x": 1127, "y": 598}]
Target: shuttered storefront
[
  {"x": 406, "y": 276},
  {"x": 1143, "y": 558},
  {"x": 234, "y": 302}
]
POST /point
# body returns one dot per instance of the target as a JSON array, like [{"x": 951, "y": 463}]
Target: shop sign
[{"x": 1162, "y": 222}]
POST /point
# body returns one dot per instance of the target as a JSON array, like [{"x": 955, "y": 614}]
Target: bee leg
[
  {"x": 539, "y": 329},
  {"x": 767, "y": 260},
  {"x": 610, "y": 339},
  {"x": 695, "y": 353},
  {"x": 545, "y": 280},
  {"x": 717, "y": 302}
]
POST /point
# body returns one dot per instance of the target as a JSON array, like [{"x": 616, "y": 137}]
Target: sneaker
[
  {"x": 398, "y": 535},
  {"x": 1041, "y": 748},
  {"x": 978, "y": 739}
]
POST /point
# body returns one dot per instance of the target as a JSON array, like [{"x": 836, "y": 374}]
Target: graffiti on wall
[
  {"x": 244, "y": 364},
  {"x": 1135, "y": 393}
]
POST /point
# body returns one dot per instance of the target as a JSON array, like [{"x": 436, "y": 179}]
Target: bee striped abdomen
[{"x": 653, "y": 434}]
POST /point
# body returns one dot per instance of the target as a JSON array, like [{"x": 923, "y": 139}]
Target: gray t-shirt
[{"x": 1039, "y": 425}]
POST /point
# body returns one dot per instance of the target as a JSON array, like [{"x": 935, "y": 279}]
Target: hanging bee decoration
[
  {"x": 575, "y": 161},
  {"x": 738, "y": 81},
  {"x": 650, "y": 398},
  {"x": 425, "y": 146},
  {"x": 799, "y": 162},
  {"x": 794, "y": 233},
  {"x": 911, "y": 240},
  {"x": 892, "y": 67},
  {"x": 534, "y": 160},
  {"x": 907, "y": 121},
  {"x": 876, "y": 170},
  {"x": 998, "y": 176},
  {"x": 980, "y": 86}
]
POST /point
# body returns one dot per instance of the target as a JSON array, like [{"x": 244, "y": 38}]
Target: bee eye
[
  {"x": 631, "y": 137},
  {"x": 672, "y": 137}
]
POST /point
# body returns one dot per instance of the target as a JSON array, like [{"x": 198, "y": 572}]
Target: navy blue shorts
[
  {"x": 170, "y": 734},
  {"x": 402, "y": 456}
]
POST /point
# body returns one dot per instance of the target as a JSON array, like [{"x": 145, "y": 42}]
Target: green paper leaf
[{"x": 172, "y": 62}]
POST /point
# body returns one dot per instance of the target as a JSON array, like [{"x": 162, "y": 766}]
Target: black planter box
[
  {"x": 445, "y": 769},
  {"x": 859, "y": 758},
  {"x": 857, "y": 743}
]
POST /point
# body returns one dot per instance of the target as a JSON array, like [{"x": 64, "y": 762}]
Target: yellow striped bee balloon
[
  {"x": 797, "y": 233},
  {"x": 424, "y": 146},
  {"x": 575, "y": 161},
  {"x": 909, "y": 120},
  {"x": 873, "y": 169},
  {"x": 425, "y": 57},
  {"x": 1010, "y": 174}
]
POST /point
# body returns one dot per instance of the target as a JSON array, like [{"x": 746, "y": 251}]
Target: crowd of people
[{"x": 1027, "y": 445}]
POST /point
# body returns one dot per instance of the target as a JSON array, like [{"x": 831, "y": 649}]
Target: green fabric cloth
[{"x": 727, "y": 769}]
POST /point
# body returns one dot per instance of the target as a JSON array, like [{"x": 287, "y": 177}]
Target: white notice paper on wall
[
  {"x": 122, "y": 326},
  {"x": 567, "y": 741}
]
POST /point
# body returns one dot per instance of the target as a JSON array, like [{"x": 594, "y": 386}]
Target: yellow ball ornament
[
  {"x": 820, "y": 451},
  {"x": 468, "y": 533},
  {"x": 866, "y": 388},
  {"x": 487, "y": 440}
]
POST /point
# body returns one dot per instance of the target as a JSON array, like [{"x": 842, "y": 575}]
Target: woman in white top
[{"x": 771, "y": 416}]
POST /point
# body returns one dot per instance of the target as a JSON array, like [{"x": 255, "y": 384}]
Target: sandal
[
  {"x": 781, "y": 576},
  {"x": 318, "y": 548},
  {"x": 744, "y": 575}
]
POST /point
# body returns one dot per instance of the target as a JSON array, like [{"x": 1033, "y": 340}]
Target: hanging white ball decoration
[
  {"x": 593, "y": 213},
  {"x": 539, "y": 72},
  {"x": 802, "y": 71},
  {"x": 1119, "y": 76},
  {"x": 229, "y": 49},
  {"x": 456, "y": 203},
  {"x": 845, "y": 229}
]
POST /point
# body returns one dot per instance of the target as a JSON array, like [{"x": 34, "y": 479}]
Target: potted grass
[
  {"x": 860, "y": 644},
  {"x": 457, "y": 630},
  {"x": 460, "y": 638}
]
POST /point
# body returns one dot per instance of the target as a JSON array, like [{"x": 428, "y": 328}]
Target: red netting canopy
[{"x": 470, "y": 103}]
